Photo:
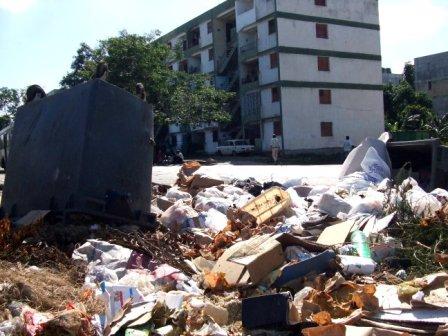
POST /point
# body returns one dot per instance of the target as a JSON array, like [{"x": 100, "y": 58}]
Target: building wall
[
  {"x": 342, "y": 70},
  {"x": 356, "y": 113},
  {"x": 265, "y": 40},
  {"x": 269, "y": 109},
  {"x": 267, "y": 75},
  {"x": 206, "y": 38},
  {"x": 301, "y": 34},
  {"x": 351, "y": 10},
  {"x": 264, "y": 7},
  {"x": 431, "y": 76},
  {"x": 207, "y": 65}
]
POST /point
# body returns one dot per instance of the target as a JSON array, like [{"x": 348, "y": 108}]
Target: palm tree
[{"x": 438, "y": 128}]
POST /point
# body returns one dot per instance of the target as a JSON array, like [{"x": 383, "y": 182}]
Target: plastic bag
[
  {"x": 176, "y": 194},
  {"x": 375, "y": 167},
  {"x": 180, "y": 217},
  {"x": 220, "y": 204},
  {"x": 422, "y": 203},
  {"x": 332, "y": 204},
  {"x": 357, "y": 265},
  {"x": 215, "y": 220}
]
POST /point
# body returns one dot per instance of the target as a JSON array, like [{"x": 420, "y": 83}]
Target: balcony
[
  {"x": 251, "y": 107},
  {"x": 249, "y": 50},
  {"x": 250, "y": 85},
  {"x": 245, "y": 19}
]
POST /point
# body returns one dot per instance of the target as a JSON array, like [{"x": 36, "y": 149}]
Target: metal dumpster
[{"x": 71, "y": 149}]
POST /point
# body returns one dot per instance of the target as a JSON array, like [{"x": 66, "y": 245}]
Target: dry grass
[{"x": 45, "y": 290}]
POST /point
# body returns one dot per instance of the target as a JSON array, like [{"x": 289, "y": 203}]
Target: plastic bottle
[{"x": 359, "y": 239}]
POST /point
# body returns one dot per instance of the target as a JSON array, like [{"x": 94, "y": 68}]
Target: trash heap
[{"x": 364, "y": 256}]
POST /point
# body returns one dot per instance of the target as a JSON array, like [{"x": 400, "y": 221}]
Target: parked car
[
  {"x": 234, "y": 147},
  {"x": 5, "y": 140}
]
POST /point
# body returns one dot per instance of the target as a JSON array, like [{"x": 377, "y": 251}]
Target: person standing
[
  {"x": 347, "y": 146},
  {"x": 275, "y": 147}
]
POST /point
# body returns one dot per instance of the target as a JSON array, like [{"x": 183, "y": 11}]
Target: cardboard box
[{"x": 250, "y": 261}]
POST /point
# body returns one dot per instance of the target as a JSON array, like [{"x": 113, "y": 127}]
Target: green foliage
[
  {"x": 438, "y": 128},
  {"x": 409, "y": 74},
  {"x": 10, "y": 100},
  {"x": 406, "y": 109},
  {"x": 177, "y": 97}
]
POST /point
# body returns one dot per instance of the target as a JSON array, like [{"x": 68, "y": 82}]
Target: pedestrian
[
  {"x": 347, "y": 146},
  {"x": 275, "y": 147}
]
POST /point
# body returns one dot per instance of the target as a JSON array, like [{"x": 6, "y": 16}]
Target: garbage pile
[{"x": 365, "y": 256}]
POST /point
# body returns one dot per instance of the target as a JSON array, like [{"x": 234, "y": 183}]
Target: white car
[
  {"x": 5, "y": 141},
  {"x": 234, "y": 147}
]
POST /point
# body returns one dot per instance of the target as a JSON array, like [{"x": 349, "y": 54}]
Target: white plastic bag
[
  {"x": 205, "y": 204},
  {"x": 176, "y": 194},
  {"x": 215, "y": 220},
  {"x": 332, "y": 204},
  {"x": 375, "y": 167},
  {"x": 422, "y": 203},
  {"x": 179, "y": 217},
  {"x": 357, "y": 265}
]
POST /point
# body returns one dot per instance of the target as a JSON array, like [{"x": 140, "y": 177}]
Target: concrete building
[
  {"x": 308, "y": 71},
  {"x": 431, "y": 76},
  {"x": 391, "y": 78}
]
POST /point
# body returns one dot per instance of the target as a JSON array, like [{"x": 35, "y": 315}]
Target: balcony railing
[{"x": 249, "y": 50}]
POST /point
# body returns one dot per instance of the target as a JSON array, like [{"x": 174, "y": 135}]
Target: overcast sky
[{"x": 38, "y": 38}]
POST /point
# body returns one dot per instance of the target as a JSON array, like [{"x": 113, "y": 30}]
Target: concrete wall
[
  {"x": 342, "y": 70},
  {"x": 206, "y": 38},
  {"x": 269, "y": 109},
  {"x": 264, "y": 7},
  {"x": 267, "y": 75},
  {"x": 353, "y": 10},
  {"x": 206, "y": 65},
  {"x": 265, "y": 40},
  {"x": 357, "y": 113},
  {"x": 301, "y": 34},
  {"x": 210, "y": 146}
]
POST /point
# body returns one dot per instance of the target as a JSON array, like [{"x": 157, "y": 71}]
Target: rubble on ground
[{"x": 365, "y": 256}]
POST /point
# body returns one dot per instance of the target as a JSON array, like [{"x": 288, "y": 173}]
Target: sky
[{"x": 38, "y": 38}]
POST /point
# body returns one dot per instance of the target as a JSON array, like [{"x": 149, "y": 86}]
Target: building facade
[
  {"x": 391, "y": 78},
  {"x": 308, "y": 71},
  {"x": 431, "y": 76}
]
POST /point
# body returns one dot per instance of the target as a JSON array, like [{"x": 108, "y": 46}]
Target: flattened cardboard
[
  {"x": 31, "y": 218},
  {"x": 336, "y": 234},
  {"x": 242, "y": 270}
]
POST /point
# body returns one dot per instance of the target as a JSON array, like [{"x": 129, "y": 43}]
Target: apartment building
[
  {"x": 431, "y": 76},
  {"x": 308, "y": 71},
  {"x": 391, "y": 78}
]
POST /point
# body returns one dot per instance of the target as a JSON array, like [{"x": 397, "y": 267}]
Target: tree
[
  {"x": 177, "y": 97},
  {"x": 83, "y": 67},
  {"x": 409, "y": 74},
  {"x": 10, "y": 100},
  {"x": 438, "y": 128},
  {"x": 406, "y": 109}
]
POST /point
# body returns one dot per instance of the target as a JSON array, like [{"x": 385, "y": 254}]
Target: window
[
  {"x": 325, "y": 97},
  {"x": 209, "y": 27},
  {"x": 326, "y": 129},
  {"x": 320, "y": 2},
  {"x": 321, "y": 30},
  {"x": 275, "y": 94},
  {"x": 323, "y": 63},
  {"x": 215, "y": 136},
  {"x": 211, "y": 54},
  {"x": 184, "y": 45},
  {"x": 170, "y": 67},
  {"x": 274, "y": 60},
  {"x": 169, "y": 45},
  {"x": 272, "y": 26},
  {"x": 429, "y": 86},
  {"x": 278, "y": 127}
]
